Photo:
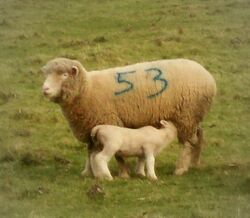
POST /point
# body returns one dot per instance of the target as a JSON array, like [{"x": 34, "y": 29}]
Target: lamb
[
  {"x": 144, "y": 143},
  {"x": 134, "y": 96}
]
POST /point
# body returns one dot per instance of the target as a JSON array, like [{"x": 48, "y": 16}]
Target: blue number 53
[
  {"x": 157, "y": 78},
  {"x": 120, "y": 79}
]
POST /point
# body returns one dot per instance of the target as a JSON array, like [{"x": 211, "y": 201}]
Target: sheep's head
[{"x": 64, "y": 79}]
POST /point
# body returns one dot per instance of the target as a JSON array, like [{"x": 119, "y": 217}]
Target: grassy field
[{"x": 40, "y": 160}]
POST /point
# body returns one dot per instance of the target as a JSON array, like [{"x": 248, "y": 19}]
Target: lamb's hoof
[
  {"x": 140, "y": 175},
  {"x": 109, "y": 178},
  {"x": 180, "y": 171},
  {"x": 105, "y": 177},
  {"x": 152, "y": 178}
]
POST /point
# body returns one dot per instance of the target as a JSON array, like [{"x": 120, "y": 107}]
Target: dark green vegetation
[{"x": 40, "y": 160}]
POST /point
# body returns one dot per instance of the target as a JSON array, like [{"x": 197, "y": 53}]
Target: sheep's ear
[
  {"x": 163, "y": 122},
  {"x": 43, "y": 69},
  {"x": 74, "y": 71}
]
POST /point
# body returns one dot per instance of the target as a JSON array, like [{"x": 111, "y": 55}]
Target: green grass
[{"x": 40, "y": 160}]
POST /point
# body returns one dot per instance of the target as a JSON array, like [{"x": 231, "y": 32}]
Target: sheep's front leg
[
  {"x": 93, "y": 164},
  {"x": 140, "y": 166},
  {"x": 150, "y": 165},
  {"x": 87, "y": 169},
  {"x": 99, "y": 164},
  {"x": 185, "y": 158}
]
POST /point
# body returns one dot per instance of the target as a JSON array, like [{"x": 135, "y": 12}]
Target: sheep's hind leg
[
  {"x": 190, "y": 155},
  {"x": 140, "y": 167},
  {"x": 197, "y": 142},
  {"x": 124, "y": 169},
  {"x": 184, "y": 161}
]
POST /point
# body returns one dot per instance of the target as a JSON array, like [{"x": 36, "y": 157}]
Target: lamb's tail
[{"x": 94, "y": 133}]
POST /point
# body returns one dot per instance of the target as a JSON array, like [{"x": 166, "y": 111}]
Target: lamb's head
[
  {"x": 168, "y": 125},
  {"x": 64, "y": 79}
]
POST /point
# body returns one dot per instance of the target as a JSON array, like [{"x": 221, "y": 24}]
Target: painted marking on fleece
[
  {"x": 122, "y": 80},
  {"x": 158, "y": 77}
]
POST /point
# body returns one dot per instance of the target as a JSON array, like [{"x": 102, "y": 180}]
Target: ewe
[{"x": 134, "y": 96}]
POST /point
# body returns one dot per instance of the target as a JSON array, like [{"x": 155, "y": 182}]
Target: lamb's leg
[
  {"x": 150, "y": 165},
  {"x": 140, "y": 166},
  {"x": 124, "y": 169},
  {"x": 100, "y": 163},
  {"x": 184, "y": 161}
]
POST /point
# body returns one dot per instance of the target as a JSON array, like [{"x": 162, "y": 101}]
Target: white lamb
[{"x": 144, "y": 143}]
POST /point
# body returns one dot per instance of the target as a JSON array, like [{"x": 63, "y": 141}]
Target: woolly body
[{"x": 185, "y": 100}]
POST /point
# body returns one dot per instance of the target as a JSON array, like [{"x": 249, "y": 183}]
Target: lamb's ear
[
  {"x": 74, "y": 71},
  {"x": 164, "y": 123}
]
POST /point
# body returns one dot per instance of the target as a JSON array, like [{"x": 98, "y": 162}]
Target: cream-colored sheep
[
  {"x": 134, "y": 96},
  {"x": 144, "y": 143}
]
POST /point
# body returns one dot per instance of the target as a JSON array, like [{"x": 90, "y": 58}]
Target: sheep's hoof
[
  {"x": 86, "y": 173},
  {"x": 196, "y": 164},
  {"x": 180, "y": 171},
  {"x": 124, "y": 175}
]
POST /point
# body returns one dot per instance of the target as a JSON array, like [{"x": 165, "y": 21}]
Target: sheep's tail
[
  {"x": 200, "y": 136},
  {"x": 94, "y": 133},
  {"x": 198, "y": 140}
]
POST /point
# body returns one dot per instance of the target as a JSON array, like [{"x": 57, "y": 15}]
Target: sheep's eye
[{"x": 65, "y": 75}]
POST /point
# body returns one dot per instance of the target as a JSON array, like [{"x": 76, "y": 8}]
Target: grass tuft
[
  {"x": 100, "y": 39},
  {"x": 5, "y": 97},
  {"x": 96, "y": 192},
  {"x": 29, "y": 159}
]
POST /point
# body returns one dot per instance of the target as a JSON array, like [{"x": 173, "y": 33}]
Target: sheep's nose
[{"x": 45, "y": 90}]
